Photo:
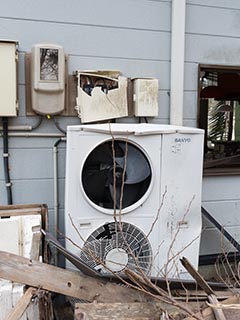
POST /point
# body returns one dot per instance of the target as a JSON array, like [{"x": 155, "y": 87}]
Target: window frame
[{"x": 226, "y": 171}]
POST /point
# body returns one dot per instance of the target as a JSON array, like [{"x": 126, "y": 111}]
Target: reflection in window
[
  {"x": 219, "y": 115},
  {"x": 48, "y": 64}
]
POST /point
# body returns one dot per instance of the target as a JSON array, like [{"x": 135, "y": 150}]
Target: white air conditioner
[{"x": 151, "y": 218}]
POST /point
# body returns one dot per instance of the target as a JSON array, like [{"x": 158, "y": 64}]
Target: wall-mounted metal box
[
  {"x": 8, "y": 78},
  {"x": 101, "y": 95},
  {"x": 145, "y": 97}
]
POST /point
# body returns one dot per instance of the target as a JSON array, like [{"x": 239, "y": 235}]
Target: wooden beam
[
  {"x": 20, "y": 212},
  {"x": 26, "y": 209},
  {"x": 13, "y": 210},
  {"x": 21, "y": 306},
  {"x": 35, "y": 247},
  {"x": 122, "y": 311},
  {"x": 200, "y": 294},
  {"x": 207, "y": 314},
  {"x": 219, "y": 315},
  {"x": 196, "y": 276},
  {"x": 36, "y": 274}
]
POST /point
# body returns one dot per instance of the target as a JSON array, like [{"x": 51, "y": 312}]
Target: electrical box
[
  {"x": 8, "y": 78},
  {"x": 48, "y": 79},
  {"x": 101, "y": 95},
  {"x": 145, "y": 97}
]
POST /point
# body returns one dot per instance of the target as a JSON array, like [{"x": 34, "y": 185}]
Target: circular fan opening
[
  {"x": 116, "y": 175},
  {"x": 114, "y": 247}
]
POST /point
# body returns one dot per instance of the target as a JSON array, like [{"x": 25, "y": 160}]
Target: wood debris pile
[{"x": 131, "y": 297}]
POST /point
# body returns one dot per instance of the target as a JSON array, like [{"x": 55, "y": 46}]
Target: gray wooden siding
[
  {"x": 221, "y": 198},
  {"x": 133, "y": 36},
  {"x": 213, "y": 37},
  {"x": 229, "y": 4}
]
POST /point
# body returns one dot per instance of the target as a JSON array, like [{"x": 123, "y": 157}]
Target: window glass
[{"x": 219, "y": 115}]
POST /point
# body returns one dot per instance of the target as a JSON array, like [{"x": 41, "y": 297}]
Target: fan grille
[{"x": 117, "y": 241}]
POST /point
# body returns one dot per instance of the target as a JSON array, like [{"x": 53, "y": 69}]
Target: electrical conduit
[{"x": 6, "y": 161}]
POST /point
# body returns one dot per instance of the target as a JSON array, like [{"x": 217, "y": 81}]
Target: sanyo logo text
[{"x": 182, "y": 140}]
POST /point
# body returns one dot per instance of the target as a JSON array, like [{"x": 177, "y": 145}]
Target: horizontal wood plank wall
[
  {"x": 129, "y": 15},
  {"x": 212, "y": 37},
  {"x": 132, "y": 36},
  {"x": 230, "y": 4},
  {"x": 221, "y": 197}
]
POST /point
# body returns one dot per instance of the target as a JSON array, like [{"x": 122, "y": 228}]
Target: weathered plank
[
  {"x": 121, "y": 311},
  {"x": 35, "y": 245},
  {"x": 21, "y": 206},
  {"x": 196, "y": 275},
  {"x": 26, "y": 209},
  {"x": 19, "y": 212},
  {"x": 219, "y": 315},
  {"x": 207, "y": 314},
  {"x": 200, "y": 294},
  {"x": 66, "y": 282},
  {"x": 21, "y": 306}
]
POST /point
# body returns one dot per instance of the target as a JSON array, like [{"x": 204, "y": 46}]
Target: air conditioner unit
[{"x": 133, "y": 196}]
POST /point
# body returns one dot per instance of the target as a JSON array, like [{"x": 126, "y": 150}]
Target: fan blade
[
  {"x": 137, "y": 168},
  {"x": 100, "y": 155},
  {"x": 94, "y": 184},
  {"x": 99, "y": 174},
  {"x": 131, "y": 194}
]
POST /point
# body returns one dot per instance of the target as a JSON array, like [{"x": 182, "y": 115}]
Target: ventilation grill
[{"x": 114, "y": 247}]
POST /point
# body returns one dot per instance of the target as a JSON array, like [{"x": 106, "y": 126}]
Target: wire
[
  {"x": 58, "y": 126},
  {"x": 38, "y": 123},
  {"x": 140, "y": 119},
  {"x": 6, "y": 160}
]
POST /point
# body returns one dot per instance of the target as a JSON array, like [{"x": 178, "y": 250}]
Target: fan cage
[
  {"x": 123, "y": 236},
  {"x": 141, "y": 197}
]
